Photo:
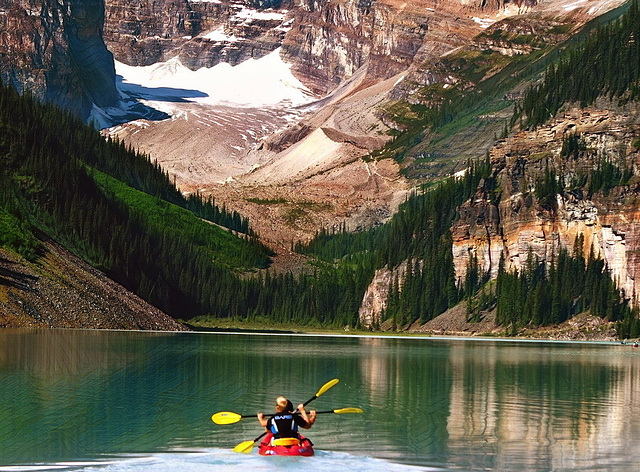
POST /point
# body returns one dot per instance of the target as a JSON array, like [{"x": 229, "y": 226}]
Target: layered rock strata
[
  {"x": 507, "y": 218},
  {"x": 518, "y": 225},
  {"x": 199, "y": 33},
  {"x": 56, "y": 50}
]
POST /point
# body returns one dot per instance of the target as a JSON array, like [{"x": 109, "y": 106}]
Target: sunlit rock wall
[
  {"x": 518, "y": 225},
  {"x": 199, "y": 33}
]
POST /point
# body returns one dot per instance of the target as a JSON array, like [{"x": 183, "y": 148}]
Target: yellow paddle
[
  {"x": 229, "y": 417},
  {"x": 341, "y": 411},
  {"x": 246, "y": 446}
]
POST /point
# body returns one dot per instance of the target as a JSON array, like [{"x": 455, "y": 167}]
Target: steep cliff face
[
  {"x": 55, "y": 49},
  {"x": 511, "y": 217},
  {"x": 327, "y": 41},
  {"x": 330, "y": 41},
  {"x": 519, "y": 224},
  {"x": 199, "y": 33},
  {"x": 374, "y": 302}
]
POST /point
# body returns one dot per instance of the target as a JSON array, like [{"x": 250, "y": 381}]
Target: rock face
[
  {"x": 511, "y": 220},
  {"x": 330, "y": 41},
  {"x": 326, "y": 41},
  {"x": 55, "y": 50},
  {"x": 375, "y": 298},
  {"x": 199, "y": 33},
  {"x": 518, "y": 223}
]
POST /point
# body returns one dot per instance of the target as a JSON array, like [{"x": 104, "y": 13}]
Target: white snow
[
  {"x": 484, "y": 22},
  {"x": 251, "y": 14},
  {"x": 263, "y": 82},
  {"x": 221, "y": 36}
]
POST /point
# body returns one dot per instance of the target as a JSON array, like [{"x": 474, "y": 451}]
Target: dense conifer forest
[
  {"x": 606, "y": 64},
  {"x": 62, "y": 180},
  {"x": 543, "y": 293},
  {"x": 120, "y": 212},
  {"x": 49, "y": 167},
  {"x": 546, "y": 294}
]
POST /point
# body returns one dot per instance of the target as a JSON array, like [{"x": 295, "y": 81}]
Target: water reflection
[
  {"x": 451, "y": 404},
  {"x": 501, "y": 406}
]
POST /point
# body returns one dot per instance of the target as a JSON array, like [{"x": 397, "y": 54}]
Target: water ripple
[{"x": 221, "y": 460}]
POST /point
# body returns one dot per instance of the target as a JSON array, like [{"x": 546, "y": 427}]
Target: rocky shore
[{"x": 453, "y": 322}]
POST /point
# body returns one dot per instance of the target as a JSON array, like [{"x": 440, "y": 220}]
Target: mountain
[
  {"x": 56, "y": 51},
  {"x": 321, "y": 118},
  {"x": 559, "y": 206},
  {"x": 369, "y": 71},
  {"x": 115, "y": 209}
]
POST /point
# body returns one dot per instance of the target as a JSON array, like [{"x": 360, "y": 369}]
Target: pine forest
[{"x": 118, "y": 210}]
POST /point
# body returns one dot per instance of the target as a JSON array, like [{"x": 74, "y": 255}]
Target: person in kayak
[{"x": 285, "y": 423}]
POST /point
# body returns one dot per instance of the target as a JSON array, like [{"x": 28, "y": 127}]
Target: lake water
[{"x": 131, "y": 401}]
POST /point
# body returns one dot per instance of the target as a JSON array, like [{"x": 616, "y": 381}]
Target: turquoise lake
[{"x": 133, "y": 401}]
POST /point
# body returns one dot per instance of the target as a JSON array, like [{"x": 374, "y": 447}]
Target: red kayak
[{"x": 285, "y": 446}]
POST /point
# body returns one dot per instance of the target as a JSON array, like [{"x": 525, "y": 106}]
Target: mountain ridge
[{"x": 311, "y": 193}]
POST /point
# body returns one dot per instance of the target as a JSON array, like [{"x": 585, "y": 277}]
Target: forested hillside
[
  {"x": 116, "y": 209},
  {"x": 120, "y": 212},
  {"x": 62, "y": 180},
  {"x": 606, "y": 64}
]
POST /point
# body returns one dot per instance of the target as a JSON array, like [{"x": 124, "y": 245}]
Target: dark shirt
[{"x": 285, "y": 425}]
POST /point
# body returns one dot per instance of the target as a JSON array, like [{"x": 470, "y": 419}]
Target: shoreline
[
  {"x": 582, "y": 327},
  {"x": 572, "y": 331},
  {"x": 336, "y": 334}
]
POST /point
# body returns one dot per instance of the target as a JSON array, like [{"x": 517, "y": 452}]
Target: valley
[
  {"x": 327, "y": 116},
  {"x": 299, "y": 139}
]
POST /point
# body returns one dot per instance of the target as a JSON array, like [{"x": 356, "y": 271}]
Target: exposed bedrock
[
  {"x": 200, "y": 34},
  {"x": 519, "y": 225},
  {"x": 55, "y": 50}
]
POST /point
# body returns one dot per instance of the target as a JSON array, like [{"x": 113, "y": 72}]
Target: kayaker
[{"x": 285, "y": 423}]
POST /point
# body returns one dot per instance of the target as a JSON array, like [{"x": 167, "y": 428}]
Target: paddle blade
[
  {"x": 244, "y": 447},
  {"x": 226, "y": 417},
  {"x": 327, "y": 386},
  {"x": 348, "y": 410}
]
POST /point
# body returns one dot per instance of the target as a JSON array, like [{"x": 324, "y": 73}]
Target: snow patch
[
  {"x": 286, "y": 26},
  {"x": 220, "y": 36},
  {"x": 400, "y": 79},
  {"x": 484, "y": 22},
  {"x": 255, "y": 83},
  {"x": 266, "y": 15}
]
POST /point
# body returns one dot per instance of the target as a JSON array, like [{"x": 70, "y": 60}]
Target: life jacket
[{"x": 283, "y": 425}]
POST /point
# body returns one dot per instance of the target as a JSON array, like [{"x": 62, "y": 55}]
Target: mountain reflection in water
[{"x": 71, "y": 397}]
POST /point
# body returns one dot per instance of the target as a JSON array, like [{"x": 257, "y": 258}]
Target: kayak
[{"x": 285, "y": 446}]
